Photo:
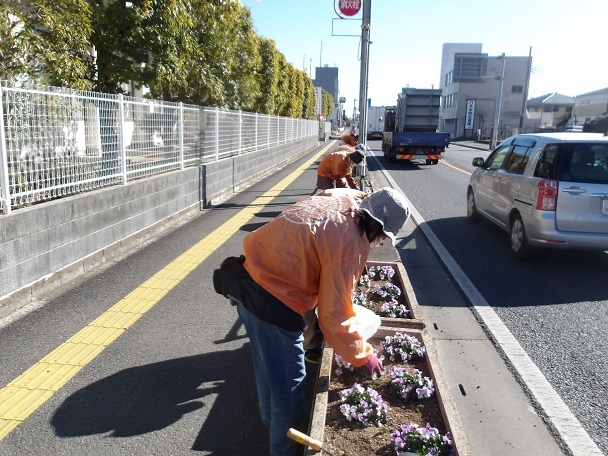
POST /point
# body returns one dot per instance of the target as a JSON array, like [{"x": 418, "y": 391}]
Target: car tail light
[{"x": 547, "y": 195}]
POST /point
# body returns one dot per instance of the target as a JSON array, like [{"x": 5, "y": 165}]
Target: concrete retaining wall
[
  {"x": 47, "y": 245},
  {"x": 230, "y": 175}
]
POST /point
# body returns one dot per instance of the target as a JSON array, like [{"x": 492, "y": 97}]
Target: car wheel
[
  {"x": 519, "y": 242},
  {"x": 472, "y": 213}
]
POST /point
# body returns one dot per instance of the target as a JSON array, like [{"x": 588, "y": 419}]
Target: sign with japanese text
[
  {"x": 470, "y": 115},
  {"x": 349, "y": 7}
]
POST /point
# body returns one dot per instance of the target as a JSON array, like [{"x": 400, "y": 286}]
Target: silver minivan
[{"x": 546, "y": 190}]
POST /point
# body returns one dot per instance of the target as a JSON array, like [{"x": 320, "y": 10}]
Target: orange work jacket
[
  {"x": 336, "y": 164},
  {"x": 311, "y": 255}
]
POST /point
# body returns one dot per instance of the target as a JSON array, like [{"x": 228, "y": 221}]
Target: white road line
[{"x": 565, "y": 423}]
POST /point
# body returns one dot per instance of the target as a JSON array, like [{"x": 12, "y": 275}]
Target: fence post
[
  {"x": 181, "y": 136},
  {"x": 5, "y": 192},
  {"x": 256, "y": 132},
  {"x": 240, "y": 132},
  {"x": 123, "y": 148},
  {"x": 217, "y": 133}
]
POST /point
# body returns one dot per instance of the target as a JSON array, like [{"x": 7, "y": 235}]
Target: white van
[{"x": 574, "y": 128}]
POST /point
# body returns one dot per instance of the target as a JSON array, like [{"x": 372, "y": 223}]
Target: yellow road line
[
  {"x": 442, "y": 161},
  {"x": 23, "y": 395}
]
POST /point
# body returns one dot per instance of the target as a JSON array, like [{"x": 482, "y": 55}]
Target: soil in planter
[{"x": 344, "y": 437}]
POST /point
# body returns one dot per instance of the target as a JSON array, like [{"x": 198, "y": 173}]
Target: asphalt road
[
  {"x": 179, "y": 379},
  {"x": 554, "y": 304}
]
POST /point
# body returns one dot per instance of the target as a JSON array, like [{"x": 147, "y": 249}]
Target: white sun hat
[{"x": 388, "y": 207}]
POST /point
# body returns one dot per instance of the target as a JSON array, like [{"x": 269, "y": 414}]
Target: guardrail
[{"x": 57, "y": 142}]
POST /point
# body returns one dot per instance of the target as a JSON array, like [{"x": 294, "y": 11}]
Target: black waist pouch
[
  {"x": 234, "y": 282},
  {"x": 227, "y": 275}
]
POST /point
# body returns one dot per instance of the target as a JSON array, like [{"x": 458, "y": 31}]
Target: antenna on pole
[{"x": 320, "y": 54}]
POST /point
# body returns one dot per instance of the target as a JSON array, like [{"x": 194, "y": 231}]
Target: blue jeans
[{"x": 278, "y": 362}]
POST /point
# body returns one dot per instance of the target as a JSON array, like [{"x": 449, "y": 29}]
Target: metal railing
[{"x": 56, "y": 142}]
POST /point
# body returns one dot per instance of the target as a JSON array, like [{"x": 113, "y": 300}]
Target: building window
[
  {"x": 449, "y": 78},
  {"x": 517, "y": 89},
  {"x": 470, "y": 67}
]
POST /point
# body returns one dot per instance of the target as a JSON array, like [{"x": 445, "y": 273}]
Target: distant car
[
  {"x": 574, "y": 128},
  {"x": 547, "y": 190}
]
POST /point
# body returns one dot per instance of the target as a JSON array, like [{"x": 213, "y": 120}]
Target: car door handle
[{"x": 574, "y": 190}]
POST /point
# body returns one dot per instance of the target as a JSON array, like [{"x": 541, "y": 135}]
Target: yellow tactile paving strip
[{"x": 27, "y": 392}]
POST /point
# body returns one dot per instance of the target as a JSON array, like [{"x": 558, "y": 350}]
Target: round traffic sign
[{"x": 349, "y": 7}]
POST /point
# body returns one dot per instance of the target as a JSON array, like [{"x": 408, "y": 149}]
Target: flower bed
[
  {"x": 389, "y": 294},
  {"x": 405, "y": 416}
]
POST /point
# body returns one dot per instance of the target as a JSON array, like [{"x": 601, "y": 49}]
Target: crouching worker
[
  {"x": 335, "y": 168},
  {"x": 312, "y": 254},
  {"x": 350, "y": 139}
]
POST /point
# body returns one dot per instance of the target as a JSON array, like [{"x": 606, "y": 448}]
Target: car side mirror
[{"x": 478, "y": 162}]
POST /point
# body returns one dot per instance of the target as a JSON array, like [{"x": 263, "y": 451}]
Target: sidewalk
[{"x": 472, "y": 144}]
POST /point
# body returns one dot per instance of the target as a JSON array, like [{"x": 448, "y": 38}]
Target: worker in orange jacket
[
  {"x": 311, "y": 255},
  {"x": 349, "y": 139},
  {"x": 335, "y": 168}
]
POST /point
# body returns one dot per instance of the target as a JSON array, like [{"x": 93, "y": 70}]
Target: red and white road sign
[{"x": 349, "y": 7}]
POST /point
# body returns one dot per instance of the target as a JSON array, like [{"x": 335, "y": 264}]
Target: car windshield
[{"x": 577, "y": 162}]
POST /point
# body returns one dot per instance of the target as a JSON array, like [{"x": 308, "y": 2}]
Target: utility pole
[
  {"x": 365, "y": 29},
  {"x": 498, "y": 104},
  {"x": 523, "y": 108}
]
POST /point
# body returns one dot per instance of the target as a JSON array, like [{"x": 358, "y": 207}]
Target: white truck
[{"x": 375, "y": 121}]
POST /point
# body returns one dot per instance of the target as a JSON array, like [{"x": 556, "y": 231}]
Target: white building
[{"x": 470, "y": 82}]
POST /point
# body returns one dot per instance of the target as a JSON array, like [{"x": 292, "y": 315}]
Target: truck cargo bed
[{"x": 403, "y": 138}]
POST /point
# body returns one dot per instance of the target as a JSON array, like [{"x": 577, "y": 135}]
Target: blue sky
[{"x": 567, "y": 40}]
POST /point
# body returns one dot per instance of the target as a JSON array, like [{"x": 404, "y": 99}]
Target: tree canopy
[
  {"x": 203, "y": 52},
  {"x": 597, "y": 125},
  {"x": 47, "y": 41}
]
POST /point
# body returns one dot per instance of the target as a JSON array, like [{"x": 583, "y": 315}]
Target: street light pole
[
  {"x": 498, "y": 104},
  {"x": 365, "y": 26}
]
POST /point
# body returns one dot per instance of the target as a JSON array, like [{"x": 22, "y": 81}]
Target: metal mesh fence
[{"x": 56, "y": 142}]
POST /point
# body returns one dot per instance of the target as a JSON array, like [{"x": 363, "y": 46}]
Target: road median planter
[
  {"x": 406, "y": 297},
  {"x": 341, "y": 435}
]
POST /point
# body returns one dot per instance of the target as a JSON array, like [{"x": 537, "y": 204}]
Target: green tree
[
  {"x": 309, "y": 107},
  {"x": 597, "y": 125},
  {"x": 117, "y": 36},
  {"x": 46, "y": 41},
  {"x": 223, "y": 68},
  {"x": 241, "y": 58},
  {"x": 203, "y": 52},
  {"x": 268, "y": 77},
  {"x": 167, "y": 31},
  {"x": 327, "y": 103},
  {"x": 146, "y": 41}
]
